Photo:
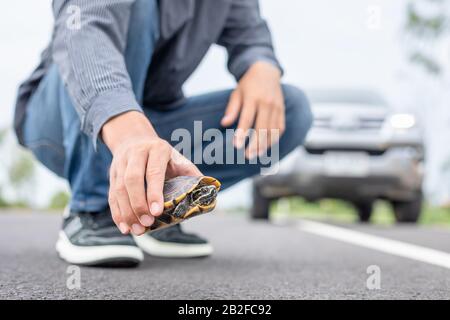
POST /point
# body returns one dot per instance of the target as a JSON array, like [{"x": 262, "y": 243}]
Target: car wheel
[
  {"x": 364, "y": 209},
  {"x": 261, "y": 205},
  {"x": 408, "y": 211}
]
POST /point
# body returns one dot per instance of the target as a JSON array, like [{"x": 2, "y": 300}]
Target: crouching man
[{"x": 101, "y": 107}]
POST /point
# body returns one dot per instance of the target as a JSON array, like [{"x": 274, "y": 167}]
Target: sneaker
[
  {"x": 93, "y": 239},
  {"x": 173, "y": 242}
]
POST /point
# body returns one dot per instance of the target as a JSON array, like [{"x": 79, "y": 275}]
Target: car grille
[
  {"x": 319, "y": 151},
  {"x": 323, "y": 123},
  {"x": 365, "y": 124},
  {"x": 370, "y": 123}
]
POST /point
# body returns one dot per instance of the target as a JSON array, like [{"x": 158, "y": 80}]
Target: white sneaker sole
[
  {"x": 163, "y": 249},
  {"x": 97, "y": 255}
]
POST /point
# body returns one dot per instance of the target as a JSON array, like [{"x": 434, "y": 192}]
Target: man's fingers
[
  {"x": 181, "y": 166},
  {"x": 113, "y": 205},
  {"x": 155, "y": 175},
  {"x": 278, "y": 127},
  {"x": 259, "y": 140},
  {"x": 232, "y": 110},
  {"x": 127, "y": 215},
  {"x": 274, "y": 131},
  {"x": 282, "y": 122},
  {"x": 120, "y": 201},
  {"x": 190, "y": 170},
  {"x": 246, "y": 119},
  {"x": 135, "y": 184},
  {"x": 120, "y": 194},
  {"x": 116, "y": 216},
  {"x": 112, "y": 199}
]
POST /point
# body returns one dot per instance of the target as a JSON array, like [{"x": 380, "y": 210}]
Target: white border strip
[{"x": 394, "y": 247}]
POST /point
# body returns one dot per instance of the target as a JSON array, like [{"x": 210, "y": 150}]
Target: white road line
[{"x": 394, "y": 247}]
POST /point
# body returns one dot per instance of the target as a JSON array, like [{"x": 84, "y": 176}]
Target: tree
[
  {"x": 427, "y": 31},
  {"x": 17, "y": 170}
]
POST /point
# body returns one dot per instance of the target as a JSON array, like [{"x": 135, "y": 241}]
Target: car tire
[
  {"x": 261, "y": 205},
  {"x": 364, "y": 209},
  {"x": 408, "y": 211}
]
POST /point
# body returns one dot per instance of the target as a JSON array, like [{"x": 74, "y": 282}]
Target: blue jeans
[{"x": 52, "y": 126}]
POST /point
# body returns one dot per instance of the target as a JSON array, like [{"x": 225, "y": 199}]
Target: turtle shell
[{"x": 177, "y": 188}]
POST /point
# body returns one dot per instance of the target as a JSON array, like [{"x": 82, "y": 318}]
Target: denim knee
[
  {"x": 42, "y": 127},
  {"x": 299, "y": 117}
]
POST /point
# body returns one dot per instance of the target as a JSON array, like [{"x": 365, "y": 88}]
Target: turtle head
[{"x": 204, "y": 195}]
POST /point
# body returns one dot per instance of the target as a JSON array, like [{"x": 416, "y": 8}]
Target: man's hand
[
  {"x": 258, "y": 99},
  {"x": 139, "y": 157}
]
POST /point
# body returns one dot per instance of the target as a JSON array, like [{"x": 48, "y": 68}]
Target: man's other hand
[
  {"x": 141, "y": 163},
  {"x": 258, "y": 102}
]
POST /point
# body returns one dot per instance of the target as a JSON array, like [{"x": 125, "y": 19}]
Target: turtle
[{"x": 186, "y": 197}]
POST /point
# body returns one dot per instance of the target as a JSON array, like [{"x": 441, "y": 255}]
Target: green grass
[
  {"x": 341, "y": 211},
  {"x": 59, "y": 201}
]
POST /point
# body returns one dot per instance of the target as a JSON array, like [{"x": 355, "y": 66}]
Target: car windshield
[{"x": 357, "y": 97}]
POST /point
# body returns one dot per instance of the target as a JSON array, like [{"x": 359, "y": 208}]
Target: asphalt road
[{"x": 251, "y": 261}]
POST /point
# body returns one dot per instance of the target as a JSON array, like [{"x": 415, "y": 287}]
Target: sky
[{"x": 321, "y": 44}]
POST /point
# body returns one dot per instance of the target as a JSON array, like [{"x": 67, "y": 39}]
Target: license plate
[{"x": 342, "y": 164}]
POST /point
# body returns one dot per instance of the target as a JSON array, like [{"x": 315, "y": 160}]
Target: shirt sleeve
[
  {"x": 247, "y": 38},
  {"x": 88, "y": 48}
]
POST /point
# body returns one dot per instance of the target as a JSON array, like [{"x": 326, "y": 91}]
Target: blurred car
[{"x": 358, "y": 150}]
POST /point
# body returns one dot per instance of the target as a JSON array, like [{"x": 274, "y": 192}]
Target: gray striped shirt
[{"x": 91, "y": 59}]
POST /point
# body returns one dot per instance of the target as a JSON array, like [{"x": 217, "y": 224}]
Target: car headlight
[{"x": 402, "y": 121}]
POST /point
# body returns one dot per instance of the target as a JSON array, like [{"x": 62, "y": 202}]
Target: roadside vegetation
[
  {"x": 341, "y": 211},
  {"x": 17, "y": 169}
]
